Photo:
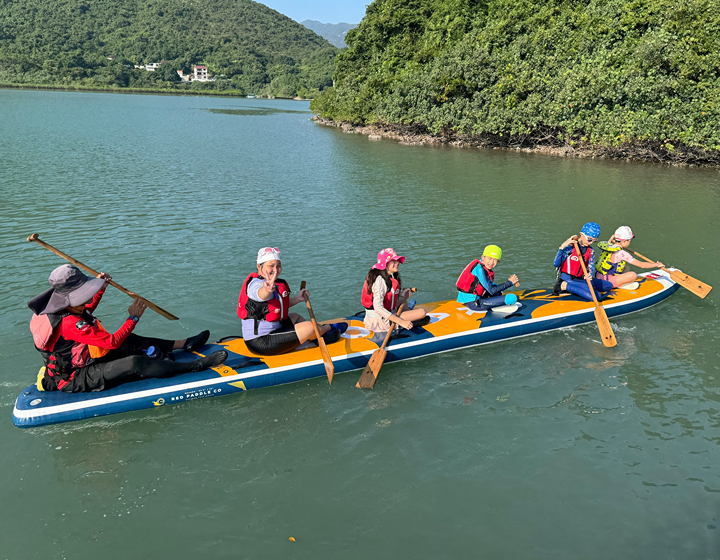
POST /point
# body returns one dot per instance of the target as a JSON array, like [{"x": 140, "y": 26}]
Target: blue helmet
[{"x": 591, "y": 229}]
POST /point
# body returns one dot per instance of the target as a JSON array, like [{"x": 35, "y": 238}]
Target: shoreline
[
  {"x": 153, "y": 91},
  {"x": 541, "y": 142}
]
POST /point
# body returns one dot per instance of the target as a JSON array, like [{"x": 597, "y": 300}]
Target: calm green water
[{"x": 546, "y": 447}]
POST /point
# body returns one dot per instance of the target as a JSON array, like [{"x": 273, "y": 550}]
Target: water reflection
[
  {"x": 254, "y": 111},
  {"x": 175, "y": 202}
]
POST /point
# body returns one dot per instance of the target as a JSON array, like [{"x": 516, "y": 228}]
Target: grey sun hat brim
[{"x": 82, "y": 294}]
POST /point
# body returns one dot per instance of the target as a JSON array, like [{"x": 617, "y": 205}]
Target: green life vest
[{"x": 604, "y": 264}]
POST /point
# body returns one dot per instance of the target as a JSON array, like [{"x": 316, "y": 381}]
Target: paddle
[
  {"x": 606, "y": 332},
  {"x": 34, "y": 237},
  {"x": 329, "y": 367},
  {"x": 372, "y": 369},
  {"x": 698, "y": 288}
]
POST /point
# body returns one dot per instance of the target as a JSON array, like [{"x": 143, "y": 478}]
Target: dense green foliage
[
  {"x": 606, "y": 72},
  {"x": 246, "y": 46}
]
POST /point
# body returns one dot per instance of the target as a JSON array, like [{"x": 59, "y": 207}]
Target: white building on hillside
[{"x": 200, "y": 74}]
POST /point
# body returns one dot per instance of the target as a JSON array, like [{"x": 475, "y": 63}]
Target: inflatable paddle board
[{"x": 452, "y": 326}]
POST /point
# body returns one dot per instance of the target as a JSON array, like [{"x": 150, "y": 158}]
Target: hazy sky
[{"x": 325, "y": 11}]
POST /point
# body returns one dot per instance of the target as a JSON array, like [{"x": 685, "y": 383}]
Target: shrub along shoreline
[
  {"x": 154, "y": 91},
  {"x": 540, "y": 141}
]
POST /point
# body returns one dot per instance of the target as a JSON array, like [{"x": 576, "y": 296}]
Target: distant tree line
[{"x": 246, "y": 46}]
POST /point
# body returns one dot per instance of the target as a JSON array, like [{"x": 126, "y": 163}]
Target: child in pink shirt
[{"x": 614, "y": 256}]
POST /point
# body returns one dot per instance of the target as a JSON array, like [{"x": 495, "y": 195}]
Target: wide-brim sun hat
[
  {"x": 623, "y": 233},
  {"x": 385, "y": 256},
  {"x": 70, "y": 288}
]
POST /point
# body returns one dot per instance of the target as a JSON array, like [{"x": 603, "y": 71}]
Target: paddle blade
[
  {"x": 603, "y": 323},
  {"x": 698, "y": 288},
  {"x": 329, "y": 366},
  {"x": 372, "y": 369}
]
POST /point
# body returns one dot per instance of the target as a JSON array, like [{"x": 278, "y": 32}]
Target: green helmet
[{"x": 493, "y": 251}]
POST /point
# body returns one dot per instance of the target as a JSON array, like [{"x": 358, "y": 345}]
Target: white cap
[
  {"x": 268, "y": 254},
  {"x": 623, "y": 233}
]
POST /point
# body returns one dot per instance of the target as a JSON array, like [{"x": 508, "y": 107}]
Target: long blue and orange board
[{"x": 452, "y": 326}]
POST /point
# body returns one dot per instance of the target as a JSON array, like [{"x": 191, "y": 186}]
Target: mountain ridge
[
  {"x": 246, "y": 46},
  {"x": 332, "y": 32}
]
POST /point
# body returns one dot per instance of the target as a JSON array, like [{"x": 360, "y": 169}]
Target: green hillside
[
  {"x": 634, "y": 76},
  {"x": 246, "y": 46}
]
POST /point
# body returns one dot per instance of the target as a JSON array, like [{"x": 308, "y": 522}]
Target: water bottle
[
  {"x": 152, "y": 352},
  {"x": 411, "y": 304}
]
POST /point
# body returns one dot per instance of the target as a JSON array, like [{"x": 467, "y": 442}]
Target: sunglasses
[
  {"x": 267, "y": 250},
  {"x": 590, "y": 239}
]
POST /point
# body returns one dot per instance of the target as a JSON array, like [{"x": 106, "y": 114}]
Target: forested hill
[
  {"x": 246, "y": 45},
  {"x": 631, "y": 76},
  {"x": 333, "y": 32}
]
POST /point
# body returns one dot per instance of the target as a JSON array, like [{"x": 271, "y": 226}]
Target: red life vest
[
  {"x": 274, "y": 309},
  {"x": 468, "y": 283},
  {"x": 572, "y": 265},
  {"x": 390, "y": 299},
  {"x": 58, "y": 354}
]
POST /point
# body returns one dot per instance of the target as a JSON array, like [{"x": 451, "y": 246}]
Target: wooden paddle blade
[
  {"x": 372, "y": 369},
  {"x": 603, "y": 323},
  {"x": 698, "y": 288},
  {"x": 329, "y": 366}
]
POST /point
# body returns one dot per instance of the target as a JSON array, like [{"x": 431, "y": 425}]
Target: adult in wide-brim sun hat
[
  {"x": 570, "y": 275},
  {"x": 268, "y": 326},
  {"x": 614, "y": 257},
  {"x": 476, "y": 284},
  {"x": 80, "y": 355},
  {"x": 70, "y": 287},
  {"x": 382, "y": 295}
]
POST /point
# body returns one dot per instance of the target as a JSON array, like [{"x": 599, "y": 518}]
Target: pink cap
[
  {"x": 623, "y": 233},
  {"x": 385, "y": 256}
]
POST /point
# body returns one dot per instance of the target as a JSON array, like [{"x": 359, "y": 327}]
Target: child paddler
[
  {"x": 570, "y": 273},
  {"x": 614, "y": 257},
  {"x": 476, "y": 286},
  {"x": 80, "y": 355},
  {"x": 268, "y": 326},
  {"x": 383, "y": 294}
]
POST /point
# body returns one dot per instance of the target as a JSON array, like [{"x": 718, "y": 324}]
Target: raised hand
[
  {"x": 269, "y": 283},
  {"x": 137, "y": 308},
  {"x": 104, "y": 276}
]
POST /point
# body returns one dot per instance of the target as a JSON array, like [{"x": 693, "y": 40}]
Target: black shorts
[
  {"x": 277, "y": 342},
  {"x": 124, "y": 364}
]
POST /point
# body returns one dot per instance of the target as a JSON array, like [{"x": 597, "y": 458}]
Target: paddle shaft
[
  {"x": 34, "y": 237},
  {"x": 329, "y": 366},
  {"x": 648, "y": 260},
  {"x": 393, "y": 325},
  {"x": 582, "y": 264},
  {"x": 606, "y": 332}
]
